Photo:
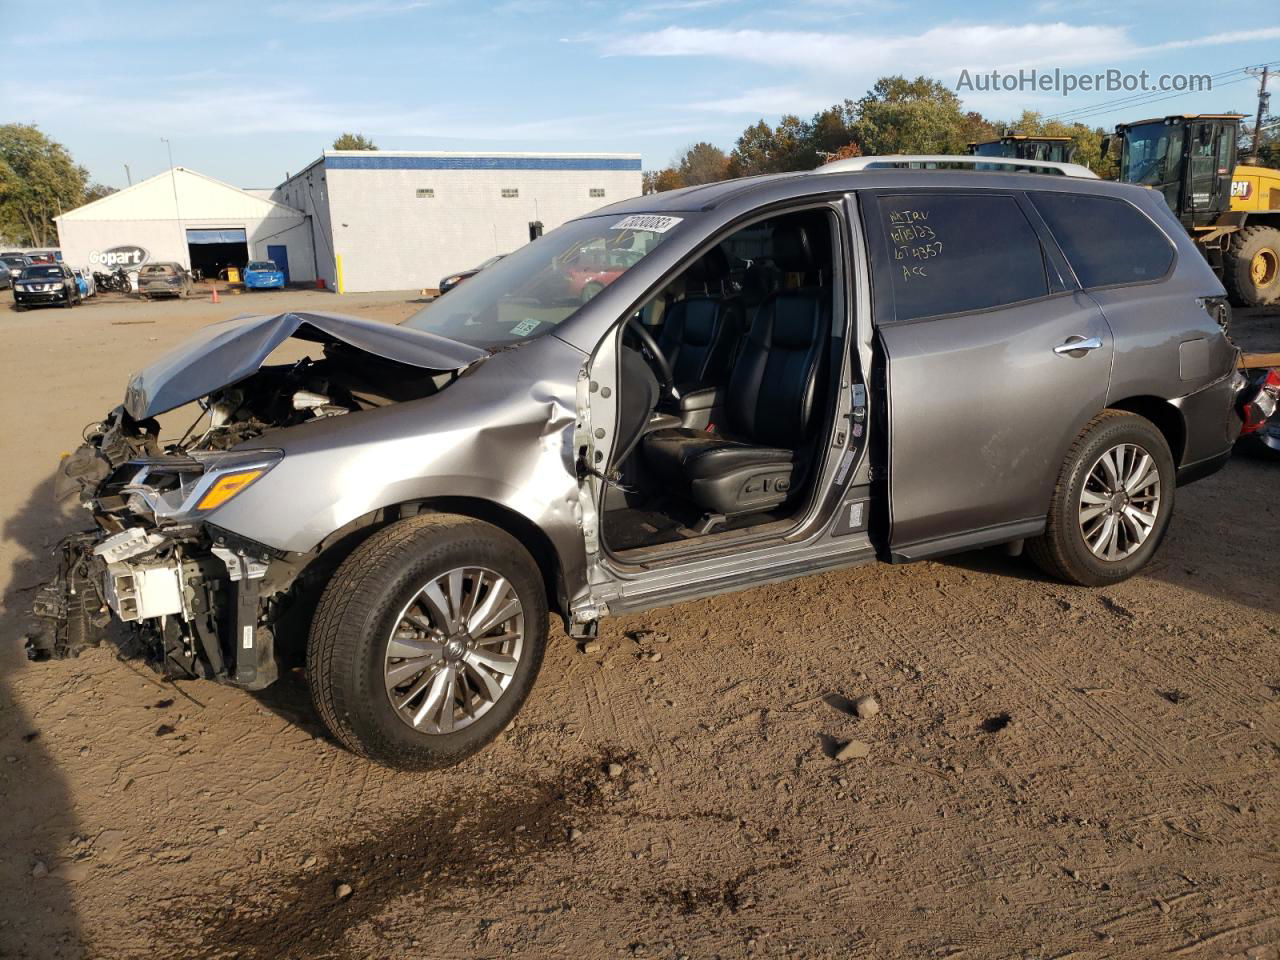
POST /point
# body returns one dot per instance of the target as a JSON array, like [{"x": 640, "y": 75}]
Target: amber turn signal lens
[{"x": 227, "y": 487}]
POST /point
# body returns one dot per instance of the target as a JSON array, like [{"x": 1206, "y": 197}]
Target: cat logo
[{"x": 1241, "y": 189}]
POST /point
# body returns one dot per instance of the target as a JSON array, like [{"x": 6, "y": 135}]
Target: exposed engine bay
[{"x": 194, "y": 599}]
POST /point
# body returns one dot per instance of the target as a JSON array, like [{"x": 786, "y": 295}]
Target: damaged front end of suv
[{"x": 201, "y": 600}]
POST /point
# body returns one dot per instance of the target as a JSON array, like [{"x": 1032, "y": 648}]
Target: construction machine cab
[
  {"x": 1018, "y": 146},
  {"x": 1188, "y": 158}
]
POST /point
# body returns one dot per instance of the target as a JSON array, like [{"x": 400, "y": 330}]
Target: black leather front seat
[
  {"x": 772, "y": 402},
  {"x": 699, "y": 331}
]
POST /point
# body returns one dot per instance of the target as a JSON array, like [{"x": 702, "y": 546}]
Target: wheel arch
[
  {"x": 338, "y": 545},
  {"x": 1166, "y": 417}
]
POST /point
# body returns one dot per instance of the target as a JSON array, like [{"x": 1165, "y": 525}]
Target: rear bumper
[
  {"x": 165, "y": 291},
  {"x": 1212, "y": 422}
]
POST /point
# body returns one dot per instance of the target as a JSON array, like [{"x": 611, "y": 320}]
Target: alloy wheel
[
  {"x": 454, "y": 649},
  {"x": 1119, "y": 502}
]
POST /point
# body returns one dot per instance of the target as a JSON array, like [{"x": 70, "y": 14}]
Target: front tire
[
  {"x": 1112, "y": 503},
  {"x": 427, "y": 640}
]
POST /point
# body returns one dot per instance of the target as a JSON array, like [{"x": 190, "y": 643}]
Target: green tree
[
  {"x": 656, "y": 181},
  {"x": 96, "y": 191},
  {"x": 703, "y": 163},
  {"x": 38, "y": 181},
  {"x": 766, "y": 149},
  {"x": 353, "y": 141},
  {"x": 832, "y": 133},
  {"x": 910, "y": 116}
]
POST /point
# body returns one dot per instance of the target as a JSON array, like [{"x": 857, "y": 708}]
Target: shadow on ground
[{"x": 37, "y": 904}]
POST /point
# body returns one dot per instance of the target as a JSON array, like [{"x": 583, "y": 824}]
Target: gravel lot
[{"x": 1054, "y": 772}]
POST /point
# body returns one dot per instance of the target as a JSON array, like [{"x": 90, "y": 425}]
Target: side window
[
  {"x": 951, "y": 253},
  {"x": 1106, "y": 241}
]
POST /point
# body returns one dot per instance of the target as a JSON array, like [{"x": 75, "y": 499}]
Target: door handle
[{"x": 1077, "y": 346}]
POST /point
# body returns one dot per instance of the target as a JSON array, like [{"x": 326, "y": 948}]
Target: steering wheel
[{"x": 654, "y": 355}]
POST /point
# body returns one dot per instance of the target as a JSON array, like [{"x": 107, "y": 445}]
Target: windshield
[
  {"x": 1151, "y": 154},
  {"x": 528, "y": 292},
  {"x": 40, "y": 272},
  {"x": 261, "y": 265},
  {"x": 158, "y": 268},
  {"x": 15, "y": 261}
]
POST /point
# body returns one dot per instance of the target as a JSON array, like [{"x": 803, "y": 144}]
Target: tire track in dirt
[{"x": 1105, "y": 721}]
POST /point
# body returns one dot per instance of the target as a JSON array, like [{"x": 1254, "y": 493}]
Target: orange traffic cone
[{"x": 215, "y": 294}]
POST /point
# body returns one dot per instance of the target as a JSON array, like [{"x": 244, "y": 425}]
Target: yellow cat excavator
[{"x": 1232, "y": 211}]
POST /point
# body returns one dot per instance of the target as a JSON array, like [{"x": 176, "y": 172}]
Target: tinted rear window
[
  {"x": 1107, "y": 241},
  {"x": 951, "y": 253},
  {"x": 160, "y": 268}
]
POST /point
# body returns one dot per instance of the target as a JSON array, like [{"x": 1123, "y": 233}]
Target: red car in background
[{"x": 595, "y": 268}]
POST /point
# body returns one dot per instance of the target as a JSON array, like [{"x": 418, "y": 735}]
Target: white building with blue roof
[{"x": 402, "y": 220}]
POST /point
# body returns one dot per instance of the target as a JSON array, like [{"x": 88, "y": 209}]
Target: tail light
[{"x": 1219, "y": 308}]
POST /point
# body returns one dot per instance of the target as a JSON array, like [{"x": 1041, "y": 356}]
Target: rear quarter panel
[{"x": 1166, "y": 344}]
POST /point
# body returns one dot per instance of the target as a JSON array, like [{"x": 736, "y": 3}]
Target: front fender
[{"x": 501, "y": 433}]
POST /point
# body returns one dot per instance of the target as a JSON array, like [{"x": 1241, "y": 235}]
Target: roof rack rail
[{"x": 941, "y": 161}]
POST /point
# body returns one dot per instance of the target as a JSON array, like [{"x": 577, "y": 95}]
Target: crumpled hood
[{"x": 226, "y": 352}]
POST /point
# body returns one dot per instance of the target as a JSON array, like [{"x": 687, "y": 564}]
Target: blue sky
[{"x": 248, "y": 92}]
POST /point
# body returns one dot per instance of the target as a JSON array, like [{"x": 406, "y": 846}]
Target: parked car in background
[
  {"x": 164, "y": 280},
  {"x": 453, "y": 279},
  {"x": 45, "y": 283},
  {"x": 45, "y": 256},
  {"x": 12, "y": 264},
  {"x": 84, "y": 280},
  {"x": 263, "y": 275},
  {"x": 6, "y": 281}
]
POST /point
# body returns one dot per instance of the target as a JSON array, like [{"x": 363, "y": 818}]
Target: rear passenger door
[{"x": 976, "y": 314}]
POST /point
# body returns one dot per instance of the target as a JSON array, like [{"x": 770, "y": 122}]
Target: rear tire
[
  {"x": 363, "y": 688},
  {"x": 1251, "y": 272},
  {"x": 1077, "y": 545}
]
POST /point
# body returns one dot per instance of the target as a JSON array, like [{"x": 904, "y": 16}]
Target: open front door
[{"x": 985, "y": 346}]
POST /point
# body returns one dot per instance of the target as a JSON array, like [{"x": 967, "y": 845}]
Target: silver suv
[{"x": 676, "y": 396}]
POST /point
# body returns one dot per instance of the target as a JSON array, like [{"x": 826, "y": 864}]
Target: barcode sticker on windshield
[
  {"x": 525, "y": 327},
  {"x": 650, "y": 222}
]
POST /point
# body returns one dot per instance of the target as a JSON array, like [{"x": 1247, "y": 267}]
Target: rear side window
[
  {"x": 952, "y": 253},
  {"x": 1107, "y": 241}
]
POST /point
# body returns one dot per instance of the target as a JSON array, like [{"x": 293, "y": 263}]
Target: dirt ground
[{"x": 1055, "y": 772}]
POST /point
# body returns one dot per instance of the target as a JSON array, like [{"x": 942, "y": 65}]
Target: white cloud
[
  {"x": 935, "y": 51},
  {"x": 764, "y": 101}
]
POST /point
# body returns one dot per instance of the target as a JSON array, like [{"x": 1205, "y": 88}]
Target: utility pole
[
  {"x": 127, "y": 175},
  {"x": 177, "y": 211},
  {"x": 1263, "y": 98}
]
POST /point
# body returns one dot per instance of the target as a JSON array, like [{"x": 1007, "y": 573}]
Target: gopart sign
[{"x": 122, "y": 256}]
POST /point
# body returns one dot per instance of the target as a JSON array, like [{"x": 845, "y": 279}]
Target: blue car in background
[
  {"x": 85, "y": 281},
  {"x": 263, "y": 275}
]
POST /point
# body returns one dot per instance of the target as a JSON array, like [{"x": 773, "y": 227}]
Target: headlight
[
  {"x": 184, "y": 488},
  {"x": 57, "y": 286}
]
